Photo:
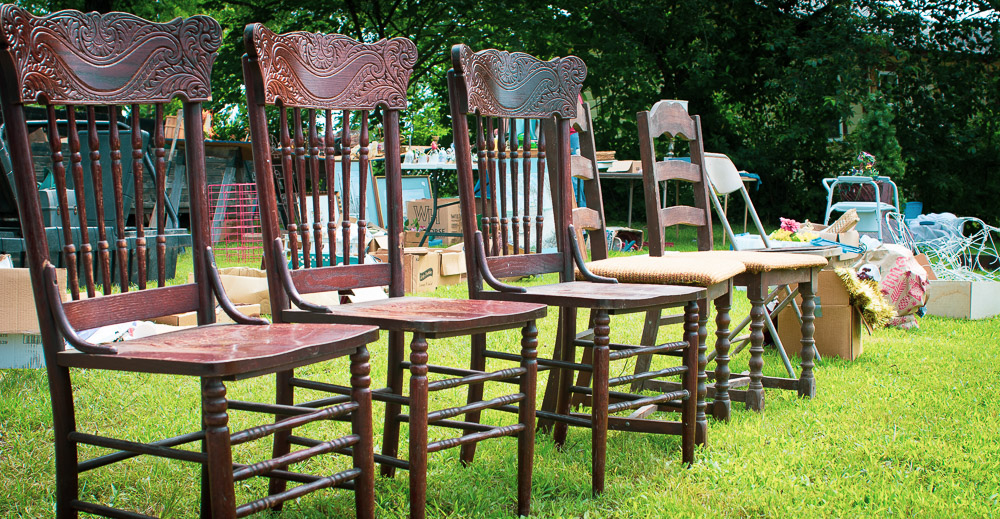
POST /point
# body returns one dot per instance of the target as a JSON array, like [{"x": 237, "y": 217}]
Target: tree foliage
[{"x": 914, "y": 82}]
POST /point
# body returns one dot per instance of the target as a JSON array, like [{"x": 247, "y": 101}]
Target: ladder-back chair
[
  {"x": 309, "y": 76},
  {"x": 82, "y": 65},
  {"x": 496, "y": 89},
  {"x": 672, "y": 269},
  {"x": 762, "y": 269}
]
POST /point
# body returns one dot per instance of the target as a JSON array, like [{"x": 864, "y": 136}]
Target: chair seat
[
  {"x": 604, "y": 296},
  {"x": 862, "y": 207},
  {"x": 760, "y": 261},
  {"x": 673, "y": 269},
  {"x": 426, "y": 314},
  {"x": 228, "y": 350}
]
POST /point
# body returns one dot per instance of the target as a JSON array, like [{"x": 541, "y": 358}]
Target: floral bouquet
[
  {"x": 794, "y": 231},
  {"x": 864, "y": 165}
]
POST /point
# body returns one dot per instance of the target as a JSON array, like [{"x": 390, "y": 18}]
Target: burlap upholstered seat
[
  {"x": 672, "y": 269},
  {"x": 763, "y": 261}
]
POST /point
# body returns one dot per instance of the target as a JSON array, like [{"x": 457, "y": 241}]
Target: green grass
[{"x": 908, "y": 430}]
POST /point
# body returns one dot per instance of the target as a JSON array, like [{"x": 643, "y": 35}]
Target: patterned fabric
[{"x": 672, "y": 269}]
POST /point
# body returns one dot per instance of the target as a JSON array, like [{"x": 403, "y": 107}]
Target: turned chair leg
[
  {"x": 755, "y": 392},
  {"x": 526, "y": 415},
  {"x": 220, "y": 455},
  {"x": 361, "y": 425},
  {"x": 551, "y": 397},
  {"x": 701, "y": 427},
  {"x": 284, "y": 395},
  {"x": 390, "y": 431},
  {"x": 807, "y": 381},
  {"x": 690, "y": 409},
  {"x": 721, "y": 405},
  {"x": 418, "y": 426},
  {"x": 476, "y": 363},
  {"x": 599, "y": 408},
  {"x": 564, "y": 377}
]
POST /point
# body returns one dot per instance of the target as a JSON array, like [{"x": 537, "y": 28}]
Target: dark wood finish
[
  {"x": 349, "y": 81},
  {"x": 107, "y": 62},
  {"x": 672, "y": 120},
  {"x": 522, "y": 96}
]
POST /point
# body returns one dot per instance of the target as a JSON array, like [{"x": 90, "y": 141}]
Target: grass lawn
[{"x": 908, "y": 430}]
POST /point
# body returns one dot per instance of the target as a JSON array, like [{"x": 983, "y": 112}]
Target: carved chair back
[
  {"x": 314, "y": 80},
  {"x": 508, "y": 94},
  {"x": 669, "y": 118},
  {"x": 94, "y": 72}
]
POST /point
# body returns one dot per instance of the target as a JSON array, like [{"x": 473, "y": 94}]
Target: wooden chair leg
[
  {"x": 63, "y": 423},
  {"x": 220, "y": 455},
  {"x": 551, "y": 398},
  {"x": 565, "y": 376},
  {"x": 599, "y": 409},
  {"x": 477, "y": 362},
  {"x": 690, "y": 410},
  {"x": 526, "y": 415},
  {"x": 418, "y": 426},
  {"x": 701, "y": 428},
  {"x": 755, "y": 392},
  {"x": 390, "y": 430},
  {"x": 650, "y": 330},
  {"x": 807, "y": 381},
  {"x": 721, "y": 405},
  {"x": 361, "y": 425},
  {"x": 583, "y": 377},
  {"x": 284, "y": 395}
]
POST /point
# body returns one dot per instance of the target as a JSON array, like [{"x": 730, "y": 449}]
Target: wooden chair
[
  {"x": 763, "y": 269},
  {"x": 356, "y": 79},
  {"x": 669, "y": 269},
  {"x": 509, "y": 90},
  {"x": 93, "y": 65}
]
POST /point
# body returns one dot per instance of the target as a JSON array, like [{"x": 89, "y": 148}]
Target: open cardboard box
[
  {"x": 837, "y": 324},
  {"x": 20, "y": 342},
  {"x": 963, "y": 299}
]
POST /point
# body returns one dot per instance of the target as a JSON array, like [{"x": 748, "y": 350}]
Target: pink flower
[{"x": 787, "y": 224}]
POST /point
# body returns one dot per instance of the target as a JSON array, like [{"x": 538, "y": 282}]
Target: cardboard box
[
  {"x": 453, "y": 270},
  {"x": 449, "y": 219},
  {"x": 17, "y": 306},
  {"x": 191, "y": 318},
  {"x": 248, "y": 286},
  {"x": 963, "y": 299},
  {"x": 20, "y": 342},
  {"x": 21, "y": 351},
  {"x": 838, "y": 332}
]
